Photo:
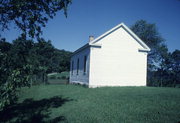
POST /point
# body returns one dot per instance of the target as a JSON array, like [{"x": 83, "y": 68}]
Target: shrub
[
  {"x": 52, "y": 77},
  {"x": 63, "y": 77},
  {"x": 58, "y": 77}
]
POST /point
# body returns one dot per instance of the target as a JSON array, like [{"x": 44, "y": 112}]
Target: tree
[
  {"x": 63, "y": 58},
  {"x": 4, "y": 46},
  {"x": 16, "y": 62},
  {"x": 169, "y": 72},
  {"x": 44, "y": 52},
  {"x": 24, "y": 62},
  {"x": 163, "y": 66},
  {"x": 30, "y": 15},
  {"x": 149, "y": 34},
  {"x": 175, "y": 65},
  {"x": 12, "y": 76}
]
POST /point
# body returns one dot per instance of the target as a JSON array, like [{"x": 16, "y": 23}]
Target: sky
[{"x": 94, "y": 17}]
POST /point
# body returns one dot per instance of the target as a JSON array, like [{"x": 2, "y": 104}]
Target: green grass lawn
[{"x": 77, "y": 104}]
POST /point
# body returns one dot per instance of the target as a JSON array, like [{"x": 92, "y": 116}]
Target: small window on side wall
[
  {"x": 85, "y": 62},
  {"x": 72, "y": 67},
  {"x": 78, "y": 66}
]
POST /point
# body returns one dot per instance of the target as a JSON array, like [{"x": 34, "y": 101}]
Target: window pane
[
  {"x": 72, "y": 67},
  {"x": 85, "y": 57},
  {"x": 78, "y": 66}
]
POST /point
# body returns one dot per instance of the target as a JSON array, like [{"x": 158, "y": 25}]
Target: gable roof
[{"x": 121, "y": 25}]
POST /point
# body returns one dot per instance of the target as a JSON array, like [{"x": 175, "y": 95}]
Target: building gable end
[{"x": 132, "y": 34}]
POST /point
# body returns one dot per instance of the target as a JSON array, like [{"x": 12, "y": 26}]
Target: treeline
[
  {"x": 37, "y": 58},
  {"x": 23, "y": 61},
  {"x": 168, "y": 72},
  {"x": 163, "y": 66}
]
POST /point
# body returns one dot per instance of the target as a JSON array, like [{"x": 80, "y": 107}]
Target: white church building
[{"x": 116, "y": 58}]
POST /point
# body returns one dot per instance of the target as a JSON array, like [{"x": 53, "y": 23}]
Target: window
[
  {"x": 78, "y": 66},
  {"x": 72, "y": 67},
  {"x": 85, "y": 58}
]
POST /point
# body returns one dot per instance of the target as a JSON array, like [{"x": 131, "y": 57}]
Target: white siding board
[{"x": 118, "y": 62}]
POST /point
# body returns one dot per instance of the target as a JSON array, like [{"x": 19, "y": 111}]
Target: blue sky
[{"x": 94, "y": 17}]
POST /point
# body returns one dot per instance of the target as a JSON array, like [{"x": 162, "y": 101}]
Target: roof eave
[
  {"x": 80, "y": 49},
  {"x": 144, "y": 50},
  {"x": 86, "y": 46}
]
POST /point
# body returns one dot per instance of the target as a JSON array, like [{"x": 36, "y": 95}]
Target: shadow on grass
[{"x": 32, "y": 111}]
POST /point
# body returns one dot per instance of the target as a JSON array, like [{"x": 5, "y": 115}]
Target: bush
[
  {"x": 15, "y": 80},
  {"x": 177, "y": 86},
  {"x": 58, "y": 77},
  {"x": 52, "y": 77},
  {"x": 63, "y": 77}
]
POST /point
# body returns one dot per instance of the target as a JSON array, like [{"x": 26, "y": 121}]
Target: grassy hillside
[{"x": 70, "y": 103}]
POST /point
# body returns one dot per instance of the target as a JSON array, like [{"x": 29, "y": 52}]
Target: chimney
[{"x": 91, "y": 38}]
